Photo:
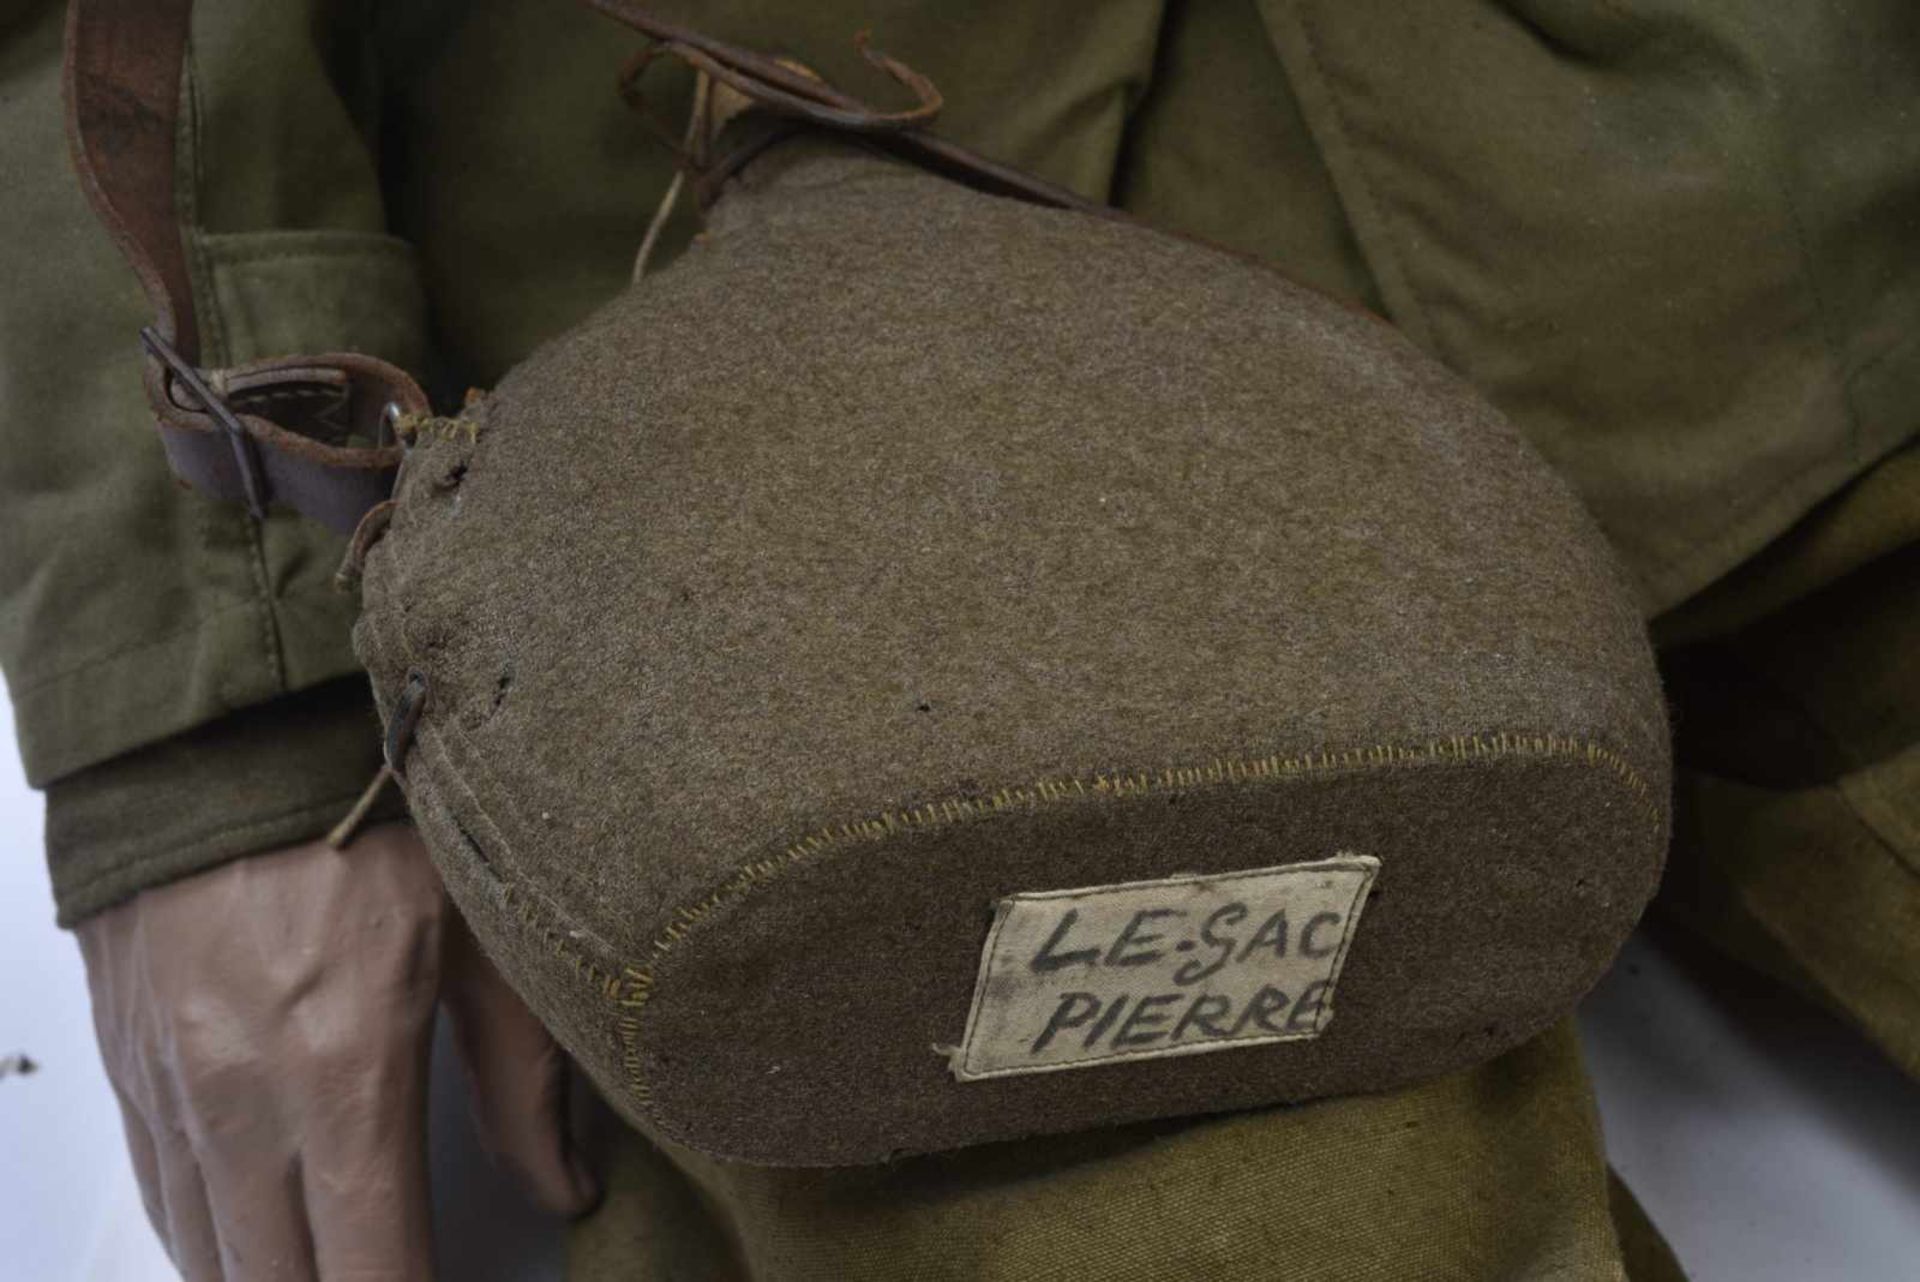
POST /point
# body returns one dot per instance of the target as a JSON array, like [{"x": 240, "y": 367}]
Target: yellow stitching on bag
[
  {"x": 411, "y": 428},
  {"x": 554, "y": 937},
  {"x": 635, "y": 986},
  {"x": 536, "y": 919}
]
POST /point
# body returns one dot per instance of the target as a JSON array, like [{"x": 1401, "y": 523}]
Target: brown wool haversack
[{"x": 927, "y": 669}]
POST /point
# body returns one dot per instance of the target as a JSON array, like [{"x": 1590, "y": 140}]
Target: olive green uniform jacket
[{"x": 1678, "y": 242}]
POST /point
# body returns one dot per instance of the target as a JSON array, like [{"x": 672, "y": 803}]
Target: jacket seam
[{"x": 199, "y": 622}]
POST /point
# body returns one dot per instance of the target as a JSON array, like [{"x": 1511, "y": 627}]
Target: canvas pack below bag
[{"x": 932, "y": 666}]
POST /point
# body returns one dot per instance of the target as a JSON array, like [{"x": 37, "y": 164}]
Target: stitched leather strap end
[{"x": 299, "y": 419}]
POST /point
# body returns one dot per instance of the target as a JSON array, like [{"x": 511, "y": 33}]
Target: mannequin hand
[{"x": 266, "y": 1027}]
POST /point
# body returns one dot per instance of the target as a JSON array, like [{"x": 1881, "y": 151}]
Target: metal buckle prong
[{"x": 246, "y": 455}]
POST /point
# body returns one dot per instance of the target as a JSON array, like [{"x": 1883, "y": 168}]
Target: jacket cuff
[{"x": 268, "y": 776}]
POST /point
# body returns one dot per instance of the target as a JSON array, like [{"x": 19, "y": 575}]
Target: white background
[{"x": 1768, "y": 1143}]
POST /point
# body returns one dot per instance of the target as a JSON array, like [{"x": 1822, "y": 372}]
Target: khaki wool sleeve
[
  {"x": 1797, "y": 712},
  {"x": 152, "y": 639}
]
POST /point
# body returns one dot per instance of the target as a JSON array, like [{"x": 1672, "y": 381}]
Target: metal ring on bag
[
  {"x": 405, "y": 720},
  {"x": 390, "y": 425}
]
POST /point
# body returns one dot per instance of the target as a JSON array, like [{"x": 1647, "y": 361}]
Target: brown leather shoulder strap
[
  {"x": 279, "y": 430},
  {"x": 776, "y": 86},
  {"x": 284, "y": 429},
  {"x": 122, "y": 80}
]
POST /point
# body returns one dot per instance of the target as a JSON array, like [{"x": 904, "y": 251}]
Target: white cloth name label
[{"x": 1073, "y": 978}]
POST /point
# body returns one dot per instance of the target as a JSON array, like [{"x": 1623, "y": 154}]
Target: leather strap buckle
[{"x": 246, "y": 455}]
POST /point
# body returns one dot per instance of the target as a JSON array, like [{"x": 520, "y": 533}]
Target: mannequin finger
[
  {"x": 263, "y": 1224},
  {"x": 191, "y": 1238},
  {"x": 145, "y": 1160},
  {"x": 517, "y": 1075},
  {"x": 520, "y": 1107},
  {"x": 378, "y": 1226},
  {"x": 364, "y": 1180}
]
